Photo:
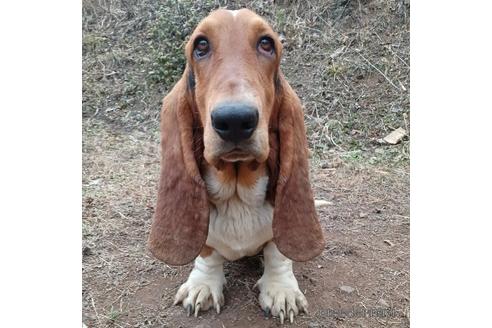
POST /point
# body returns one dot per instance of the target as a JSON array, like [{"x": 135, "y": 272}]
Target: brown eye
[
  {"x": 201, "y": 48},
  {"x": 265, "y": 45}
]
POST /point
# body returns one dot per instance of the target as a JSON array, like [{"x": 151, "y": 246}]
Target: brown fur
[
  {"x": 206, "y": 251},
  {"x": 244, "y": 174},
  {"x": 234, "y": 73},
  {"x": 296, "y": 229},
  {"x": 180, "y": 225},
  {"x": 227, "y": 173},
  {"x": 247, "y": 176}
]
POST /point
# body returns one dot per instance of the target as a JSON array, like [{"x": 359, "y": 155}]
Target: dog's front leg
[
  {"x": 203, "y": 289},
  {"x": 279, "y": 292}
]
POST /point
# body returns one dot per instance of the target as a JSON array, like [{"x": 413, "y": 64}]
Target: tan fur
[
  {"x": 234, "y": 73},
  {"x": 227, "y": 173},
  {"x": 247, "y": 176},
  {"x": 206, "y": 251}
]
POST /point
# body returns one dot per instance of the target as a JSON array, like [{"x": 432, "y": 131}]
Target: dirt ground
[
  {"x": 349, "y": 63},
  {"x": 366, "y": 225}
]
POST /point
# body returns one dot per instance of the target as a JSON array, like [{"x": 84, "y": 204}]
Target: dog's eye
[
  {"x": 265, "y": 45},
  {"x": 201, "y": 48}
]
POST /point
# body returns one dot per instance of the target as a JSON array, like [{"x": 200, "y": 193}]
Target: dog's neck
[
  {"x": 240, "y": 217},
  {"x": 233, "y": 179}
]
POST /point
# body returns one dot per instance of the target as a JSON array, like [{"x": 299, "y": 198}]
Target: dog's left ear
[
  {"x": 296, "y": 229},
  {"x": 180, "y": 226}
]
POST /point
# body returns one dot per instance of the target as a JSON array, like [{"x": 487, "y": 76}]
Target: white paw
[
  {"x": 200, "y": 293},
  {"x": 280, "y": 296}
]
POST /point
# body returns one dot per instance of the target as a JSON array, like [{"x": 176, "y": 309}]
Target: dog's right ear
[
  {"x": 180, "y": 226},
  {"x": 296, "y": 228}
]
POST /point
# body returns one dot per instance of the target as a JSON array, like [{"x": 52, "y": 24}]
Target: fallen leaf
[{"x": 395, "y": 137}]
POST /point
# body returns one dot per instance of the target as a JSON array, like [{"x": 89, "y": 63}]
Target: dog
[{"x": 234, "y": 177}]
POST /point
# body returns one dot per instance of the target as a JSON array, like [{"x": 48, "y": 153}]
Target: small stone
[
  {"x": 396, "y": 109},
  {"x": 347, "y": 289},
  {"x": 363, "y": 215},
  {"x": 86, "y": 251},
  {"x": 94, "y": 182}
]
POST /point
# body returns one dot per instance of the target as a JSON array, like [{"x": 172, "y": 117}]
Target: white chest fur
[{"x": 240, "y": 217}]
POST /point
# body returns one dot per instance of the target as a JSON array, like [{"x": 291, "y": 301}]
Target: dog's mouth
[{"x": 237, "y": 155}]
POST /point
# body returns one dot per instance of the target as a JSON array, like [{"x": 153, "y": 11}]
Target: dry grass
[{"x": 348, "y": 60}]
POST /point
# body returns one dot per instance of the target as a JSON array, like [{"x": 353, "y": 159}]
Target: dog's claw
[
  {"x": 281, "y": 315},
  {"x": 189, "y": 309},
  {"x": 217, "y": 307},
  {"x": 266, "y": 312},
  {"x": 197, "y": 309},
  {"x": 291, "y": 316}
]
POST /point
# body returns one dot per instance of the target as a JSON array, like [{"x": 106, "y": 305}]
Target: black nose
[{"x": 234, "y": 121}]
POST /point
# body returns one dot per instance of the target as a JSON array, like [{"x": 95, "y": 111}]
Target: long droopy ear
[
  {"x": 180, "y": 226},
  {"x": 296, "y": 229}
]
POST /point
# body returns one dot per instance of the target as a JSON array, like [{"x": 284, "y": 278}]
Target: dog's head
[
  {"x": 232, "y": 104},
  {"x": 233, "y": 59}
]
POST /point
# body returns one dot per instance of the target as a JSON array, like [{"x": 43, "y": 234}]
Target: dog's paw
[
  {"x": 281, "y": 297},
  {"x": 199, "y": 296}
]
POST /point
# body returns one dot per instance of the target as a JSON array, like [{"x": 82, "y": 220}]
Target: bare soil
[{"x": 366, "y": 225}]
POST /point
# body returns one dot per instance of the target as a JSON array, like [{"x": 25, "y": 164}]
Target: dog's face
[{"x": 234, "y": 58}]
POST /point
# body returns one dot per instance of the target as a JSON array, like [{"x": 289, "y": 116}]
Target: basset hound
[{"x": 234, "y": 177}]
